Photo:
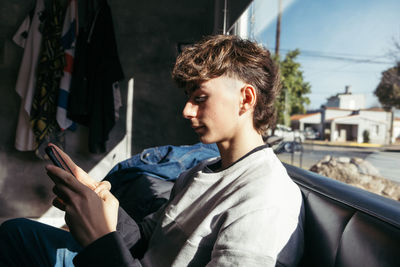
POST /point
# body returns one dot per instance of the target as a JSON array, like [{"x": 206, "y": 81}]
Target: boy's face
[{"x": 213, "y": 109}]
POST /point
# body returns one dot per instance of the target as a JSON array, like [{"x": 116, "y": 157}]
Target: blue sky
[{"x": 335, "y": 38}]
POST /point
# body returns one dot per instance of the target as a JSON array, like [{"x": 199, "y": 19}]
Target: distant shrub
[{"x": 366, "y": 136}]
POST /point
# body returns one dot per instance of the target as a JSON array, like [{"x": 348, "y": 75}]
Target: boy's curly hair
[{"x": 232, "y": 56}]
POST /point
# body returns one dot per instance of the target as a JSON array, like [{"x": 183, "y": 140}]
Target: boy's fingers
[
  {"x": 84, "y": 178},
  {"x": 106, "y": 196},
  {"x": 54, "y": 173},
  {"x": 63, "y": 178},
  {"x": 76, "y": 171},
  {"x": 58, "y": 203},
  {"x": 63, "y": 192},
  {"x": 80, "y": 174},
  {"x": 68, "y": 161},
  {"x": 104, "y": 185},
  {"x": 65, "y": 157},
  {"x": 58, "y": 175},
  {"x": 103, "y": 194}
]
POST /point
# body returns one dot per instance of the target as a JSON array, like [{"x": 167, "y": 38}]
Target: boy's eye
[{"x": 200, "y": 99}]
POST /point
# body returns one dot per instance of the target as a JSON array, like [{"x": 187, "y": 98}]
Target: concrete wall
[
  {"x": 347, "y": 101},
  {"x": 147, "y": 34},
  {"x": 396, "y": 130},
  {"x": 382, "y": 116},
  {"x": 377, "y": 131},
  {"x": 356, "y": 125},
  {"x": 352, "y": 101},
  {"x": 334, "y": 113}
]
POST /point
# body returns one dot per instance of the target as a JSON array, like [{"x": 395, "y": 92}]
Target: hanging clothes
[
  {"x": 68, "y": 40},
  {"x": 49, "y": 72},
  {"x": 29, "y": 37},
  {"x": 96, "y": 69}
]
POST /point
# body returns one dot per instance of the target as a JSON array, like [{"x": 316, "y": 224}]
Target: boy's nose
[{"x": 189, "y": 111}]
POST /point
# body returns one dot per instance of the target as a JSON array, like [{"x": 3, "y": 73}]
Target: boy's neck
[{"x": 233, "y": 150}]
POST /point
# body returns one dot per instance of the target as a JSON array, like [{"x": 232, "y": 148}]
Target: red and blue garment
[{"x": 68, "y": 40}]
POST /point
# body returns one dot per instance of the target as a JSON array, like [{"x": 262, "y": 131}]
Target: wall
[
  {"x": 377, "y": 131},
  {"x": 396, "y": 130},
  {"x": 334, "y": 113},
  {"x": 350, "y": 101},
  {"x": 382, "y": 116},
  {"x": 313, "y": 121},
  {"x": 147, "y": 34}
]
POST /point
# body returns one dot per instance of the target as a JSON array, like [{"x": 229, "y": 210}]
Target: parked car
[
  {"x": 311, "y": 133},
  {"x": 288, "y": 134}
]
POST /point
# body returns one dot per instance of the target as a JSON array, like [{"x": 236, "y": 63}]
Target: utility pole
[
  {"x": 391, "y": 125},
  {"x": 225, "y": 16},
  {"x": 286, "y": 117},
  {"x": 278, "y": 28},
  {"x": 277, "y": 44}
]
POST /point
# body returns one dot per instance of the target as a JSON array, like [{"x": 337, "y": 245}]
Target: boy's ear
[{"x": 248, "y": 98}]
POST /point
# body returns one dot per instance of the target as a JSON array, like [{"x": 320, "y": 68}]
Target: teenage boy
[{"x": 240, "y": 209}]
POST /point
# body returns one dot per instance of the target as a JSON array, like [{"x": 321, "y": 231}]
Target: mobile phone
[{"x": 56, "y": 158}]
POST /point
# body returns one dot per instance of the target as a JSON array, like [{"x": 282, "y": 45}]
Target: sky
[{"x": 342, "y": 42}]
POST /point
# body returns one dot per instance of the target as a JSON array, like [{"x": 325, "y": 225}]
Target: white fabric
[
  {"x": 26, "y": 81},
  {"x": 241, "y": 216}
]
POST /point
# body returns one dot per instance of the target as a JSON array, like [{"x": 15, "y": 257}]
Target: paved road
[{"x": 388, "y": 163}]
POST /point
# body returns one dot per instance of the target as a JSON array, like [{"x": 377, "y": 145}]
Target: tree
[
  {"x": 292, "y": 99},
  {"x": 388, "y": 90}
]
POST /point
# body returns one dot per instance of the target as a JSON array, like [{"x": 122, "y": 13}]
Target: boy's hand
[
  {"x": 80, "y": 174},
  {"x": 88, "y": 214}
]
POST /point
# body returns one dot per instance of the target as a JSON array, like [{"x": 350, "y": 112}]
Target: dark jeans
[{"x": 24, "y": 242}]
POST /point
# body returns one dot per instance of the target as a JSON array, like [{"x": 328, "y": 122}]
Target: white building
[
  {"x": 396, "y": 130},
  {"x": 302, "y": 121},
  {"x": 347, "y": 100},
  {"x": 344, "y": 118}
]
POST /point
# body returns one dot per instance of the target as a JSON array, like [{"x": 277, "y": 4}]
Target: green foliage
[
  {"x": 292, "y": 99},
  {"x": 366, "y": 136},
  {"x": 388, "y": 90}
]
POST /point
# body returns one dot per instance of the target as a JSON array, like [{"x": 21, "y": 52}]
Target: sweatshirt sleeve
[
  {"x": 127, "y": 228},
  {"x": 109, "y": 250},
  {"x": 116, "y": 248},
  {"x": 113, "y": 249}
]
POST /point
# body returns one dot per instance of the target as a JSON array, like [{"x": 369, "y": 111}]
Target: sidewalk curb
[
  {"x": 341, "y": 144},
  {"x": 386, "y": 148}
]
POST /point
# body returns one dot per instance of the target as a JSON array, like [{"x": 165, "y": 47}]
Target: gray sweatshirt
[{"x": 244, "y": 215}]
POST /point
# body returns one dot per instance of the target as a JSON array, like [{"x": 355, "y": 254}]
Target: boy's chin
[{"x": 206, "y": 140}]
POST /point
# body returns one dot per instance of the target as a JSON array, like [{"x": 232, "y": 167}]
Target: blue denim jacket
[{"x": 164, "y": 162}]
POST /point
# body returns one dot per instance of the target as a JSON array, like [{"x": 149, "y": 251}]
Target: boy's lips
[{"x": 198, "y": 127}]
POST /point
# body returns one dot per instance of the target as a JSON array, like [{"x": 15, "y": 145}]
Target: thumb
[
  {"x": 104, "y": 185},
  {"x": 107, "y": 197}
]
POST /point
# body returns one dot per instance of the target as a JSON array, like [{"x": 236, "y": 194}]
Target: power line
[
  {"x": 353, "y": 58},
  {"x": 365, "y": 72},
  {"x": 348, "y": 59},
  {"x": 334, "y": 53}
]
